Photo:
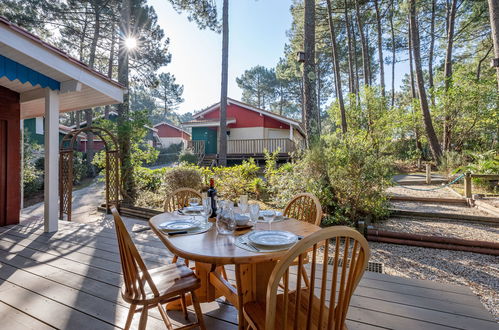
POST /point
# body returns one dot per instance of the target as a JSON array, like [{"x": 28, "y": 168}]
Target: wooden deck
[{"x": 71, "y": 279}]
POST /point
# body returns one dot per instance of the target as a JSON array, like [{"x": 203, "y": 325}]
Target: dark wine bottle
[{"x": 212, "y": 194}]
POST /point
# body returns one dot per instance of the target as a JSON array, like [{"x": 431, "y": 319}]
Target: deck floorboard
[{"x": 71, "y": 280}]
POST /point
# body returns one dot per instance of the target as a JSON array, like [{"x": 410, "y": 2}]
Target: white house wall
[
  {"x": 166, "y": 142},
  {"x": 246, "y": 133}
]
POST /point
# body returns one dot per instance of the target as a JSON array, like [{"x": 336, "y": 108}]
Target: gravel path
[
  {"x": 455, "y": 229},
  {"x": 439, "y": 208},
  {"x": 494, "y": 201},
  {"x": 479, "y": 272},
  {"x": 440, "y": 193}
]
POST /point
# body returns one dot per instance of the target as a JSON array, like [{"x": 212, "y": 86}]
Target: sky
[{"x": 257, "y": 35}]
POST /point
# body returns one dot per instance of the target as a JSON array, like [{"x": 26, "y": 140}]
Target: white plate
[
  {"x": 179, "y": 225},
  {"x": 263, "y": 213},
  {"x": 198, "y": 208},
  {"x": 272, "y": 238}
]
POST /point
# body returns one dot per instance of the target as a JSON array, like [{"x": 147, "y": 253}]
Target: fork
[{"x": 252, "y": 246}]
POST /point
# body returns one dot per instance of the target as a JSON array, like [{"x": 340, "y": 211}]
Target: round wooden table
[{"x": 210, "y": 250}]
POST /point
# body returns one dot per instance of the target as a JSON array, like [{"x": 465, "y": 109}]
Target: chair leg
[
  {"x": 165, "y": 317},
  {"x": 305, "y": 276},
  {"x": 197, "y": 308},
  {"x": 224, "y": 273},
  {"x": 129, "y": 318},
  {"x": 143, "y": 318},
  {"x": 184, "y": 306},
  {"x": 175, "y": 259}
]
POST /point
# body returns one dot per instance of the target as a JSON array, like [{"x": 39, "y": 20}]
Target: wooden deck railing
[
  {"x": 197, "y": 147},
  {"x": 257, "y": 146}
]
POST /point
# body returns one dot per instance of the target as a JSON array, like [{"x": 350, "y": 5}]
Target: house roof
[
  {"x": 273, "y": 115},
  {"x": 212, "y": 122},
  {"x": 55, "y": 50},
  {"x": 32, "y": 63},
  {"x": 171, "y": 125}
]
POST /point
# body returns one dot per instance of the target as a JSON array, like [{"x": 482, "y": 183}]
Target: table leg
[{"x": 252, "y": 280}]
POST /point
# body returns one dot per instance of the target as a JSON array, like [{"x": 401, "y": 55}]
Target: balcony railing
[{"x": 257, "y": 146}]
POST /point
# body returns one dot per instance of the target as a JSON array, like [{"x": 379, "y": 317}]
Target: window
[{"x": 39, "y": 125}]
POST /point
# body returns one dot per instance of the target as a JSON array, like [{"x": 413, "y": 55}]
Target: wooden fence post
[
  {"x": 428, "y": 173},
  {"x": 467, "y": 185}
]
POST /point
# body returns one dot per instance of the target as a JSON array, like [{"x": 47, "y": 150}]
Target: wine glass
[
  {"x": 206, "y": 210},
  {"x": 254, "y": 211},
  {"x": 194, "y": 201},
  {"x": 226, "y": 222},
  {"x": 243, "y": 203},
  {"x": 269, "y": 216}
]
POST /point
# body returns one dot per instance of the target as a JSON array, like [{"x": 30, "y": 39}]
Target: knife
[{"x": 173, "y": 233}]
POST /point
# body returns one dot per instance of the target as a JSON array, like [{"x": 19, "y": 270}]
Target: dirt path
[{"x": 85, "y": 202}]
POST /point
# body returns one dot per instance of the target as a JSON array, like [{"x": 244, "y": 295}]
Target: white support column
[
  {"x": 290, "y": 132},
  {"x": 51, "y": 160}
]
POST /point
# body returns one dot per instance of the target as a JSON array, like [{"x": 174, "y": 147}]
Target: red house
[
  {"x": 250, "y": 131},
  {"x": 170, "y": 134}
]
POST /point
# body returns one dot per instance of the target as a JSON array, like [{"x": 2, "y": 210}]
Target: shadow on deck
[{"x": 71, "y": 280}]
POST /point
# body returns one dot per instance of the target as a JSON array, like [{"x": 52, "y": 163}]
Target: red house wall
[
  {"x": 246, "y": 118},
  {"x": 168, "y": 131},
  {"x": 10, "y": 157}
]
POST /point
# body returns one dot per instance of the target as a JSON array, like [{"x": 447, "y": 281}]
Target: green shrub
[
  {"x": 450, "y": 161},
  {"x": 483, "y": 163},
  {"x": 186, "y": 156},
  {"x": 347, "y": 175},
  {"x": 182, "y": 177}
]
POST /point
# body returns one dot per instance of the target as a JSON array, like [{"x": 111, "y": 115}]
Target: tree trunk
[
  {"x": 394, "y": 59},
  {"x": 446, "y": 138},
  {"x": 494, "y": 23},
  {"x": 413, "y": 94},
  {"x": 479, "y": 66},
  {"x": 110, "y": 65},
  {"x": 89, "y": 112},
  {"x": 309, "y": 98},
  {"x": 431, "y": 52},
  {"x": 336, "y": 64},
  {"x": 124, "y": 135},
  {"x": 223, "y": 93},
  {"x": 380, "y": 49},
  {"x": 430, "y": 131},
  {"x": 318, "y": 92},
  {"x": 351, "y": 78},
  {"x": 365, "y": 61},
  {"x": 356, "y": 65}
]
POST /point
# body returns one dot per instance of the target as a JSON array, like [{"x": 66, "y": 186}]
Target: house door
[
  {"x": 210, "y": 141},
  {"x": 10, "y": 157}
]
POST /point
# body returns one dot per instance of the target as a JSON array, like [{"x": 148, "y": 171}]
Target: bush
[
  {"x": 231, "y": 182},
  {"x": 347, "y": 175},
  {"x": 450, "y": 161},
  {"x": 483, "y": 163},
  {"x": 182, "y": 177},
  {"x": 186, "y": 156},
  {"x": 170, "y": 154}
]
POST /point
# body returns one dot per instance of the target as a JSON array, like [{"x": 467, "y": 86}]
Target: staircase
[{"x": 208, "y": 161}]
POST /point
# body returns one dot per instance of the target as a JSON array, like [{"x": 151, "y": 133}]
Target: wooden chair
[
  {"x": 326, "y": 306},
  {"x": 153, "y": 288},
  {"x": 304, "y": 207},
  {"x": 179, "y": 199}
]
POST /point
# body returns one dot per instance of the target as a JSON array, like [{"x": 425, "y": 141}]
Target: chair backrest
[
  {"x": 179, "y": 199},
  {"x": 304, "y": 207},
  {"x": 135, "y": 273},
  {"x": 339, "y": 258}
]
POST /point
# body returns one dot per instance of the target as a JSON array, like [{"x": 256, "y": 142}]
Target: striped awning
[{"x": 16, "y": 71}]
